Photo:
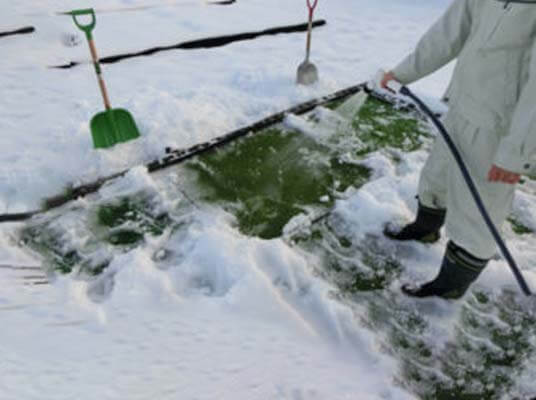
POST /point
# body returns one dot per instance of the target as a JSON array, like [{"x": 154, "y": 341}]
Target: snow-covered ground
[
  {"x": 159, "y": 335},
  {"x": 178, "y": 98}
]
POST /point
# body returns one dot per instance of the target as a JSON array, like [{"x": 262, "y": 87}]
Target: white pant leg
[
  {"x": 433, "y": 180},
  {"x": 464, "y": 222}
]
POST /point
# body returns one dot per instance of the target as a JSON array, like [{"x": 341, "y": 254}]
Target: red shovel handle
[{"x": 311, "y": 4}]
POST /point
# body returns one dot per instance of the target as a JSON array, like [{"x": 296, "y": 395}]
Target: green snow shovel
[
  {"x": 114, "y": 125},
  {"x": 307, "y": 72}
]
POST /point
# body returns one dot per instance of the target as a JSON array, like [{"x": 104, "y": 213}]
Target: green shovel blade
[{"x": 113, "y": 126}]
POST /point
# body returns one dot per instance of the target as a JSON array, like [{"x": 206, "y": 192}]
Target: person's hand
[
  {"x": 497, "y": 174},
  {"x": 387, "y": 77}
]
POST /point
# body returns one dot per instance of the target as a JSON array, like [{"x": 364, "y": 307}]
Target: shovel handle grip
[
  {"x": 86, "y": 28},
  {"x": 311, "y": 4}
]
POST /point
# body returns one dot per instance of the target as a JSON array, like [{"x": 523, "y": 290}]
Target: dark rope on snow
[
  {"x": 143, "y": 7},
  {"x": 206, "y": 43},
  {"x": 21, "y": 31}
]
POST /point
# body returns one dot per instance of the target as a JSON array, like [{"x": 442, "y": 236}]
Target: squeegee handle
[
  {"x": 87, "y": 29},
  {"x": 311, "y": 6}
]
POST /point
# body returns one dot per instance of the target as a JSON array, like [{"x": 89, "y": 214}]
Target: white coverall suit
[{"x": 492, "y": 115}]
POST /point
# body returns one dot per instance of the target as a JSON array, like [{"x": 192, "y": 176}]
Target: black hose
[{"x": 467, "y": 177}]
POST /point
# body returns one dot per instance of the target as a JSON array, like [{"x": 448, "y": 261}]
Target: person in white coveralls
[{"x": 492, "y": 120}]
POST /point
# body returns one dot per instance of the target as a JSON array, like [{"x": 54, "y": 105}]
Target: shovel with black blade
[
  {"x": 307, "y": 71},
  {"x": 114, "y": 125}
]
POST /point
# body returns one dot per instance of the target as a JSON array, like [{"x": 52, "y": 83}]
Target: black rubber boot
[
  {"x": 425, "y": 228},
  {"x": 458, "y": 270}
]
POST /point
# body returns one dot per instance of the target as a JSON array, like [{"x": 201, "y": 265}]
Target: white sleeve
[{"x": 440, "y": 45}]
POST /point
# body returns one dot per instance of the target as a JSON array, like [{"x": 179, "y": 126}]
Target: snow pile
[{"x": 217, "y": 315}]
